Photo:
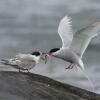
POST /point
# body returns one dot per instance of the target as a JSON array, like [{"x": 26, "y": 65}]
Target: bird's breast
[{"x": 66, "y": 55}]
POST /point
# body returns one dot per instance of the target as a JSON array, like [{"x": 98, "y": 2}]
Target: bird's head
[
  {"x": 40, "y": 55},
  {"x": 50, "y": 53}
]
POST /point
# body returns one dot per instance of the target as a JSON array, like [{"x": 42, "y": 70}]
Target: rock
[{"x": 27, "y": 86}]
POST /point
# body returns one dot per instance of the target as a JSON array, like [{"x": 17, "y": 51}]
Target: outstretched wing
[
  {"x": 65, "y": 31},
  {"x": 82, "y": 38}
]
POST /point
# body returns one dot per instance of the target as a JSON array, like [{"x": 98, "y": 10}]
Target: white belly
[{"x": 67, "y": 55}]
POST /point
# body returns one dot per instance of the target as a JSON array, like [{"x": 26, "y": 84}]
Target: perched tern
[
  {"x": 74, "y": 44},
  {"x": 24, "y": 61}
]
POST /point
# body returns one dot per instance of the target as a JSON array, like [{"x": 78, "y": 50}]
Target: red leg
[{"x": 71, "y": 66}]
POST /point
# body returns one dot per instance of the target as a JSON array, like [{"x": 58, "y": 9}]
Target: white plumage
[
  {"x": 65, "y": 31},
  {"x": 83, "y": 37},
  {"x": 23, "y": 61},
  {"x": 74, "y": 44}
]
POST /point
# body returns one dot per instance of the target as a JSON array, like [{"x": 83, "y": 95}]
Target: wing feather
[
  {"x": 65, "y": 31},
  {"x": 83, "y": 37}
]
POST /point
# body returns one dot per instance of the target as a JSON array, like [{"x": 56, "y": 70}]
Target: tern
[
  {"x": 74, "y": 44},
  {"x": 24, "y": 62}
]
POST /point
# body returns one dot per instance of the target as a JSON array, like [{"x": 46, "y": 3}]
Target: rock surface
[{"x": 27, "y": 86}]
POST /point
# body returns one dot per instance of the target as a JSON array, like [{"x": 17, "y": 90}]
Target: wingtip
[{"x": 66, "y": 18}]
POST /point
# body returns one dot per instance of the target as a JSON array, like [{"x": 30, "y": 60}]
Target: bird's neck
[{"x": 63, "y": 53}]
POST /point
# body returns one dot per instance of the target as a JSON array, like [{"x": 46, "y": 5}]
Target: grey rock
[{"x": 28, "y": 86}]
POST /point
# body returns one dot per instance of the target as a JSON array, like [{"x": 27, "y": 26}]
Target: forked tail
[{"x": 86, "y": 75}]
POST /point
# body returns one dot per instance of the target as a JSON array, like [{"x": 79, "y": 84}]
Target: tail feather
[
  {"x": 86, "y": 75},
  {"x": 9, "y": 62},
  {"x": 4, "y": 61},
  {"x": 82, "y": 69},
  {"x": 80, "y": 64}
]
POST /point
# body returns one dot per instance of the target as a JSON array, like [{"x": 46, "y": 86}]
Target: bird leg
[{"x": 71, "y": 66}]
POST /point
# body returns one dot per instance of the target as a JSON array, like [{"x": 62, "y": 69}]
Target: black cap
[
  {"x": 36, "y": 53},
  {"x": 54, "y": 50}
]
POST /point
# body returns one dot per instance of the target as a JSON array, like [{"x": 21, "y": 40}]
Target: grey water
[{"x": 28, "y": 25}]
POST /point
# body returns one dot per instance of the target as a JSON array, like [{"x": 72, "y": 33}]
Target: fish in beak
[{"x": 45, "y": 56}]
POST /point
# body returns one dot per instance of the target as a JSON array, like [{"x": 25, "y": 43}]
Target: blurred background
[{"x": 27, "y": 25}]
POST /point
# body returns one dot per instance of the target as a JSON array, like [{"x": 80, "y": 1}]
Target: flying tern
[{"x": 74, "y": 44}]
